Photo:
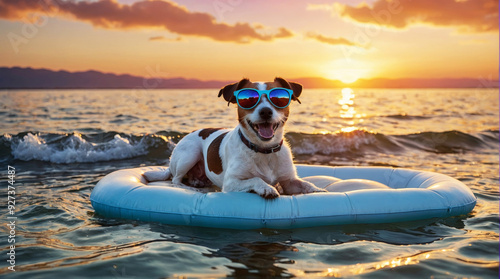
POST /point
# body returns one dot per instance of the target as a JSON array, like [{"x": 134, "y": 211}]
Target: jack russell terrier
[{"x": 253, "y": 157}]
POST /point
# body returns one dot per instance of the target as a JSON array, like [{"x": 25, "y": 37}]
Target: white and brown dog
[{"x": 249, "y": 158}]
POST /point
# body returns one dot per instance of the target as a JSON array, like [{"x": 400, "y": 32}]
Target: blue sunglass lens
[
  {"x": 248, "y": 98},
  {"x": 279, "y": 97}
]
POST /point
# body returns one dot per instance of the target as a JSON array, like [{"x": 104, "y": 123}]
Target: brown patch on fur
[
  {"x": 274, "y": 84},
  {"x": 214, "y": 160},
  {"x": 205, "y": 133},
  {"x": 286, "y": 111}
]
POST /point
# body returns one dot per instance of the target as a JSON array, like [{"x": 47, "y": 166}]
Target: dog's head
[{"x": 264, "y": 122}]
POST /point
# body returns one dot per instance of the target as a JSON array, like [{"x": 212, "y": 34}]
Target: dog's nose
[{"x": 266, "y": 113}]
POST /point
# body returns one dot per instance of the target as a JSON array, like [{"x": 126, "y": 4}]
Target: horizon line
[{"x": 312, "y": 82}]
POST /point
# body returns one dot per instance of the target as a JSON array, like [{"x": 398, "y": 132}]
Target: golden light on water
[
  {"x": 349, "y": 129},
  {"x": 346, "y": 103},
  {"x": 365, "y": 268},
  {"x": 348, "y": 111}
]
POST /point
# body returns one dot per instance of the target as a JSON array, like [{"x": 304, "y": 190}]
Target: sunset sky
[{"x": 229, "y": 39}]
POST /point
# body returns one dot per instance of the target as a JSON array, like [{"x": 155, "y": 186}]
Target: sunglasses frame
[{"x": 264, "y": 92}]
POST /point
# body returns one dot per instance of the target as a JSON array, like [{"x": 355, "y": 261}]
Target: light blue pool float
[{"x": 359, "y": 195}]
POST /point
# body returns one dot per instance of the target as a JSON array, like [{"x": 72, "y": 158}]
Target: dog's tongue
[{"x": 266, "y": 130}]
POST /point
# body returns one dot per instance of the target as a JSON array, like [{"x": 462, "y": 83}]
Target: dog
[{"x": 252, "y": 157}]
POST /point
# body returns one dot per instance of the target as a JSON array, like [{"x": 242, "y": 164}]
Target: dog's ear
[
  {"x": 228, "y": 91},
  {"x": 296, "y": 87}
]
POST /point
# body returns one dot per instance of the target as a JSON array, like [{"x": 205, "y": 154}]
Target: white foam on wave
[{"x": 76, "y": 150}]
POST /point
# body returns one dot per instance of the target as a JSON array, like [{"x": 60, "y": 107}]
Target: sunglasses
[{"x": 248, "y": 98}]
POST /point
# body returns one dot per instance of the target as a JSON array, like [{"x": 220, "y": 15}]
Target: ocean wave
[
  {"x": 405, "y": 116},
  {"x": 108, "y": 146},
  {"x": 357, "y": 141},
  {"x": 78, "y": 148},
  {"x": 449, "y": 141}
]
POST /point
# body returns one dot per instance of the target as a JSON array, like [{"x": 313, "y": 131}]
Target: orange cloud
[
  {"x": 163, "y": 38},
  {"x": 466, "y": 15},
  {"x": 143, "y": 14},
  {"x": 330, "y": 40}
]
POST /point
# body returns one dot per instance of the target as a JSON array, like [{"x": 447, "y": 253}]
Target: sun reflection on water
[
  {"x": 349, "y": 129},
  {"x": 348, "y": 111},
  {"x": 346, "y": 103},
  {"x": 364, "y": 268}
]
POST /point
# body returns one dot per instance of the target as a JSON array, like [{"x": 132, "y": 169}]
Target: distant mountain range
[{"x": 29, "y": 78}]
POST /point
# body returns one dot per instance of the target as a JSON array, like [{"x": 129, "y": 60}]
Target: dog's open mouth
[{"x": 264, "y": 130}]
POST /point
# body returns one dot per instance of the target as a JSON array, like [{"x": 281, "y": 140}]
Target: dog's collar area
[{"x": 255, "y": 148}]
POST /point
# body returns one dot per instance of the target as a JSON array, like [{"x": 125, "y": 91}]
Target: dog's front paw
[
  {"x": 156, "y": 175},
  {"x": 317, "y": 190},
  {"x": 299, "y": 186},
  {"x": 311, "y": 188},
  {"x": 267, "y": 192}
]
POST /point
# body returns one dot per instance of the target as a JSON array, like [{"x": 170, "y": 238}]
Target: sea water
[{"x": 57, "y": 144}]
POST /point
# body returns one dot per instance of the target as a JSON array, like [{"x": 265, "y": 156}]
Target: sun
[{"x": 346, "y": 70}]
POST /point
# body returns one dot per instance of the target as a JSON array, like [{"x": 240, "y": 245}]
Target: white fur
[
  {"x": 157, "y": 175},
  {"x": 243, "y": 170},
  {"x": 261, "y": 85}
]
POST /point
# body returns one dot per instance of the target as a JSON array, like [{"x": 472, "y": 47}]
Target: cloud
[
  {"x": 283, "y": 33},
  {"x": 163, "y": 38},
  {"x": 162, "y": 14},
  {"x": 465, "y": 15},
  {"x": 330, "y": 40},
  {"x": 157, "y": 38}
]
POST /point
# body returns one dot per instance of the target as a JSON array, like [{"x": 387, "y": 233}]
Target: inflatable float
[{"x": 358, "y": 195}]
